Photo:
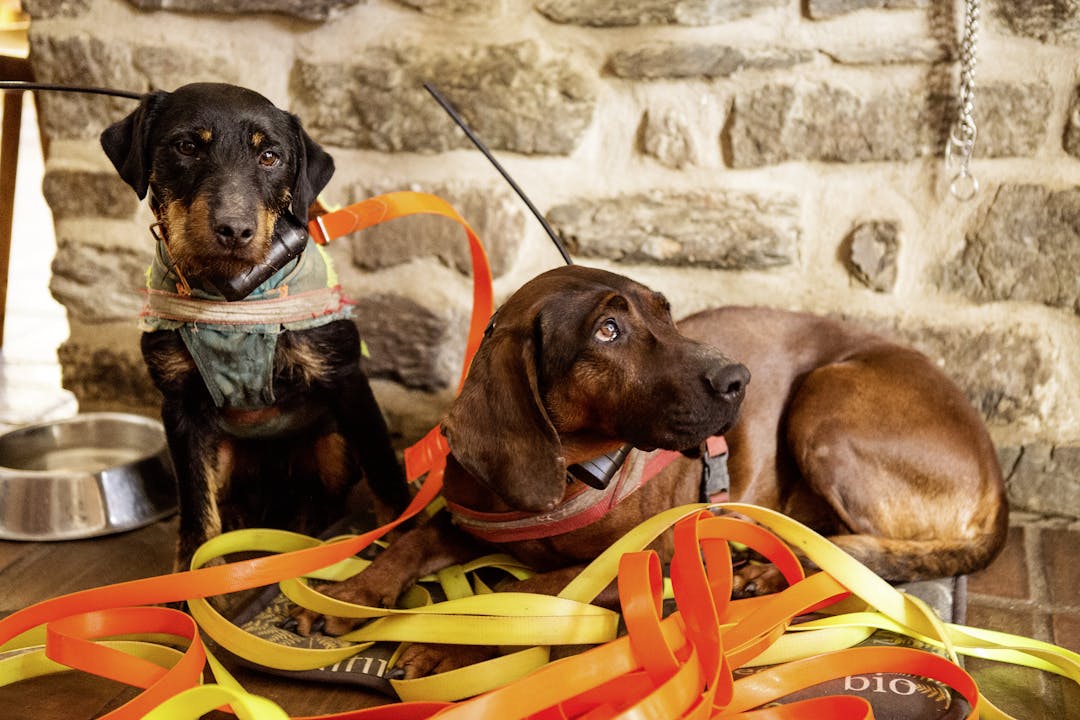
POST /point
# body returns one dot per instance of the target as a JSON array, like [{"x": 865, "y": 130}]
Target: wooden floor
[
  {"x": 1030, "y": 590},
  {"x": 30, "y": 572}
]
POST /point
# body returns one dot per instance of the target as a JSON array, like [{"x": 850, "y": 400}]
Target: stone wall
[{"x": 785, "y": 152}]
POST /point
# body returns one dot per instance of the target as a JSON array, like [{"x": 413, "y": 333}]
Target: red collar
[{"x": 579, "y": 508}]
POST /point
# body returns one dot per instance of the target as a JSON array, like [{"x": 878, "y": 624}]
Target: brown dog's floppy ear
[
  {"x": 498, "y": 429},
  {"x": 314, "y": 168},
  {"x": 127, "y": 142}
]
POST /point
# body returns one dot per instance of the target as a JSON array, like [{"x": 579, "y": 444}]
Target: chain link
[{"x": 961, "y": 144}]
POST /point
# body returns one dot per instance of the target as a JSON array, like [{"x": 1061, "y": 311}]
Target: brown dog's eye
[
  {"x": 186, "y": 147},
  {"x": 269, "y": 158},
  {"x": 607, "y": 331}
]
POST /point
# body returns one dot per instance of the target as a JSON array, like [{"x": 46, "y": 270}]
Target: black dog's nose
[
  {"x": 234, "y": 233},
  {"x": 729, "y": 380}
]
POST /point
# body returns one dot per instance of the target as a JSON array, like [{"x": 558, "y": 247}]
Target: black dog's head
[{"x": 223, "y": 165}]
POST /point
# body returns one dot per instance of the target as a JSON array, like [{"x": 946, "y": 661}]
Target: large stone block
[
  {"x": 72, "y": 193},
  {"x": 517, "y": 97},
  {"x": 103, "y": 367},
  {"x": 1049, "y": 21},
  {"x": 720, "y": 229},
  {"x": 1013, "y": 120},
  {"x": 316, "y": 10},
  {"x": 167, "y": 68},
  {"x": 1045, "y": 479},
  {"x": 82, "y": 59},
  {"x": 404, "y": 341},
  {"x": 494, "y": 213},
  {"x": 96, "y": 278},
  {"x": 783, "y": 122},
  {"x": 1026, "y": 247},
  {"x": 689, "y": 60},
  {"x": 616, "y": 13}
]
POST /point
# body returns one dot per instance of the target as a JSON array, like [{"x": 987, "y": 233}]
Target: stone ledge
[
  {"x": 313, "y": 10},
  {"x": 825, "y": 9},
  {"x": 690, "y": 60},
  {"x": 622, "y": 13},
  {"x": 720, "y": 229},
  {"x": 72, "y": 193}
]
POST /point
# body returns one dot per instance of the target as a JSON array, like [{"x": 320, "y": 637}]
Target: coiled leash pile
[{"x": 684, "y": 665}]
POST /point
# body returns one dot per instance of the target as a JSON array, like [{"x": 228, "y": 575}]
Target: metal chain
[{"x": 961, "y": 145}]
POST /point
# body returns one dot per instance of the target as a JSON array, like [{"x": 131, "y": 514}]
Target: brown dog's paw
[
  {"x": 754, "y": 579},
  {"x": 422, "y": 659},
  {"x": 306, "y": 622}
]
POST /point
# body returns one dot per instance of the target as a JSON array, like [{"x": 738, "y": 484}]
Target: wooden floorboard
[{"x": 30, "y": 572}]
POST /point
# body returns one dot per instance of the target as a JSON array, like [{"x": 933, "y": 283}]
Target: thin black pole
[
  {"x": 52, "y": 87},
  {"x": 502, "y": 171}
]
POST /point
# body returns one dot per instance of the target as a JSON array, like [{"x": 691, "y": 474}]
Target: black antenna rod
[
  {"x": 502, "y": 171},
  {"x": 53, "y": 87}
]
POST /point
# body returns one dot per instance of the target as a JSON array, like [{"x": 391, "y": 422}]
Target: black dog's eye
[
  {"x": 186, "y": 147},
  {"x": 608, "y": 331},
  {"x": 269, "y": 158}
]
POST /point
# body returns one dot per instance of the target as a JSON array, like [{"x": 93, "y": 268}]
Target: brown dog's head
[
  {"x": 575, "y": 363},
  {"x": 222, "y": 164}
]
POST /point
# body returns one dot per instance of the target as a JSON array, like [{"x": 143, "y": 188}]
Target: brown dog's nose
[{"x": 729, "y": 380}]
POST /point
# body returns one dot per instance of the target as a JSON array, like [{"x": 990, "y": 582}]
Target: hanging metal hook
[{"x": 961, "y": 145}]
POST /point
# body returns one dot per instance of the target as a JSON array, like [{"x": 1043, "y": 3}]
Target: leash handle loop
[{"x": 389, "y": 206}]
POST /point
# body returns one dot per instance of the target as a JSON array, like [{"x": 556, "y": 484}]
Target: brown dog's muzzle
[
  {"x": 728, "y": 381},
  {"x": 692, "y": 392}
]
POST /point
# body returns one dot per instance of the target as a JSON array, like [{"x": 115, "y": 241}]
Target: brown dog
[{"x": 862, "y": 439}]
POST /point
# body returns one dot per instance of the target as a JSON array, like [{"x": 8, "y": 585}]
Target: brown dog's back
[{"x": 864, "y": 440}]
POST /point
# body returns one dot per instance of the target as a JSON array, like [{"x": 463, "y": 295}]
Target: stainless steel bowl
[{"x": 92, "y": 474}]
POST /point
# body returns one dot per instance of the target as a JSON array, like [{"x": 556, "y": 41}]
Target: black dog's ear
[
  {"x": 127, "y": 142},
  {"x": 314, "y": 169},
  {"x": 498, "y": 429}
]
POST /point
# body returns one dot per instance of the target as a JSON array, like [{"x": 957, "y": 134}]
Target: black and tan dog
[
  {"x": 269, "y": 417},
  {"x": 862, "y": 439}
]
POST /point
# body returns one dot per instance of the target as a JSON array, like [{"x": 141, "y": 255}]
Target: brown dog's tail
[{"x": 910, "y": 560}]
